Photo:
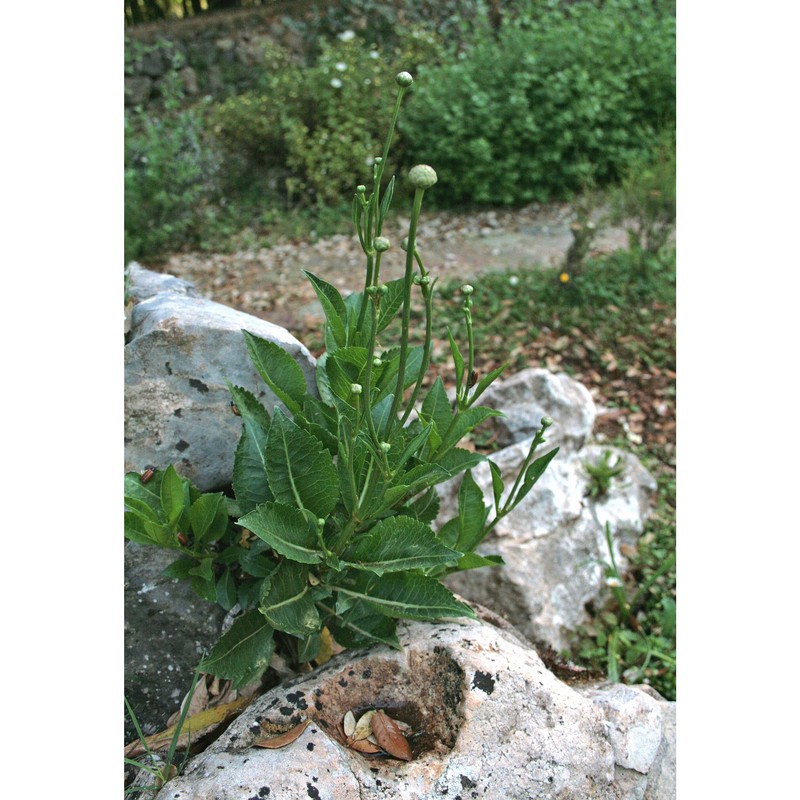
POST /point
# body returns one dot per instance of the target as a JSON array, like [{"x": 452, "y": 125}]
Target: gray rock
[
  {"x": 167, "y": 629},
  {"x": 490, "y": 721},
  {"x": 531, "y": 394},
  {"x": 143, "y": 284},
  {"x": 137, "y": 89},
  {"x": 181, "y": 351},
  {"x": 189, "y": 81},
  {"x": 553, "y": 543}
]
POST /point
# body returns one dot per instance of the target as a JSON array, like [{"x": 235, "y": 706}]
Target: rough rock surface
[
  {"x": 167, "y": 629},
  {"x": 181, "y": 351},
  {"x": 488, "y": 720},
  {"x": 531, "y": 394},
  {"x": 553, "y": 543}
]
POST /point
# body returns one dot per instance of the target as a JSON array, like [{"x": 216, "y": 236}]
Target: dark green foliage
[
  {"x": 169, "y": 177},
  {"x": 529, "y": 111}
]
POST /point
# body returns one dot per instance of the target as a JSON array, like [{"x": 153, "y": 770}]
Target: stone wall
[{"x": 213, "y": 55}]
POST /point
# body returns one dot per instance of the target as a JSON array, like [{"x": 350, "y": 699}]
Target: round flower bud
[
  {"x": 546, "y": 422},
  {"x": 378, "y": 160},
  {"x": 425, "y": 280},
  {"x": 422, "y": 176},
  {"x": 320, "y": 522},
  {"x": 376, "y": 362},
  {"x": 355, "y": 388},
  {"x": 467, "y": 289},
  {"x": 371, "y": 290},
  {"x": 385, "y": 446},
  {"x": 416, "y": 279},
  {"x": 381, "y": 244},
  {"x": 361, "y": 189},
  {"x": 382, "y": 289},
  {"x": 403, "y": 79}
]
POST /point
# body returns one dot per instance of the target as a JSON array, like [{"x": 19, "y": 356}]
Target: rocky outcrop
[
  {"x": 182, "y": 351},
  {"x": 487, "y": 720}
]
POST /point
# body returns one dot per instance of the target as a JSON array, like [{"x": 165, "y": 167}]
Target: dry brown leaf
[
  {"x": 389, "y": 736},
  {"x": 364, "y": 746},
  {"x": 349, "y": 724},
  {"x": 275, "y": 742},
  {"x": 363, "y": 727}
]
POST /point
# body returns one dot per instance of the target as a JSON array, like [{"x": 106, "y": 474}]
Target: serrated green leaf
[
  {"x": 279, "y": 371},
  {"x": 148, "y": 493},
  {"x": 226, "y": 590},
  {"x": 486, "y": 381},
  {"x": 202, "y": 514},
  {"x": 436, "y": 407},
  {"x": 471, "y": 514},
  {"x": 135, "y": 530},
  {"x": 204, "y": 569},
  {"x": 381, "y": 413},
  {"x": 475, "y": 561},
  {"x": 332, "y": 305},
  {"x": 361, "y": 626},
  {"x": 425, "y": 508},
  {"x": 172, "y": 496},
  {"x": 458, "y": 459},
  {"x": 160, "y": 534},
  {"x": 458, "y": 361},
  {"x": 179, "y": 569},
  {"x": 390, "y": 303},
  {"x": 497, "y": 483},
  {"x": 141, "y": 509},
  {"x": 403, "y": 595},
  {"x": 396, "y": 544},
  {"x": 288, "y": 605},
  {"x": 463, "y": 423},
  {"x": 243, "y": 653},
  {"x": 300, "y": 470},
  {"x": 448, "y": 533},
  {"x": 286, "y": 530},
  {"x": 533, "y": 473},
  {"x": 249, "y": 464}
]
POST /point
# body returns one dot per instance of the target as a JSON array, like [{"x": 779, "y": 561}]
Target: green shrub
[
  {"x": 526, "y": 112},
  {"x": 645, "y": 200},
  {"x": 304, "y": 126},
  {"x": 169, "y": 177}
]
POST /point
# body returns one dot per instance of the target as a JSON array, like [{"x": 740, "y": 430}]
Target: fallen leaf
[
  {"x": 363, "y": 727},
  {"x": 389, "y": 736},
  {"x": 274, "y": 742},
  {"x": 349, "y": 724},
  {"x": 364, "y": 746}
]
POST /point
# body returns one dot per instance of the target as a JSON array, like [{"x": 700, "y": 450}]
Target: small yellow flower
[{"x": 563, "y": 277}]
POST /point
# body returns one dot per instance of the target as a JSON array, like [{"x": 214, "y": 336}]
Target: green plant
[
  {"x": 162, "y": 770},
  {"x": 602, "y": 473},
  {"x": 630, "y": 649},
  {"x": 522, "y": 112},
  {"x": 645, "y": 201},
  {"x": 169, "y": 176},
  {"x": 337, "y": 496}
]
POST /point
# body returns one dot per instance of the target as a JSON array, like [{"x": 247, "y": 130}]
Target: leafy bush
[
  {"x": 645, "y": 200},
  {"x": 169, "y": 177},
  {"x": 305, "y": 124},
  {"x": 336, "y": 498},
  {"x": 558, "y": 92}
]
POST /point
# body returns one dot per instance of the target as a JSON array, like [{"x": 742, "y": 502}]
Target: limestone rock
[
  {"x": 182, "y": 349},
  {"x": 488, "y": 720},
  {"x": 531, "y": 394},
  {"x": 553, "y": 543}
]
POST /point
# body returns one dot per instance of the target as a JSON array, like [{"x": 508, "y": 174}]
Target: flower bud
[
  {"x": 403, "y": 79},
  {"x": 613, "y": 583},
  {"x": 404, "y": 244},
  {"x": 355, "y": 388},
  {"x": 425, "y": 280},
  {"x": 382, "y": 289},
  {"x": 376, "y": 362},
  {"x": 361, "y": 189},
  {"x": 320, "y": 522},
  {"x": 467, "y": 289},
  {"x": 546, "y": 422},
  {"x": 381, "y": 244},
  {"x": 371, "y": 290},
  {"x": 422, "y": 176},
  {"x": 385, "y": 446},
  {"x": 378, "y": 160}
]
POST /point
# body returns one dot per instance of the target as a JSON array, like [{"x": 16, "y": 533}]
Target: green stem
[
  {"x": 401, "y": 370},
  {"x": 427, "y": 293}
]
